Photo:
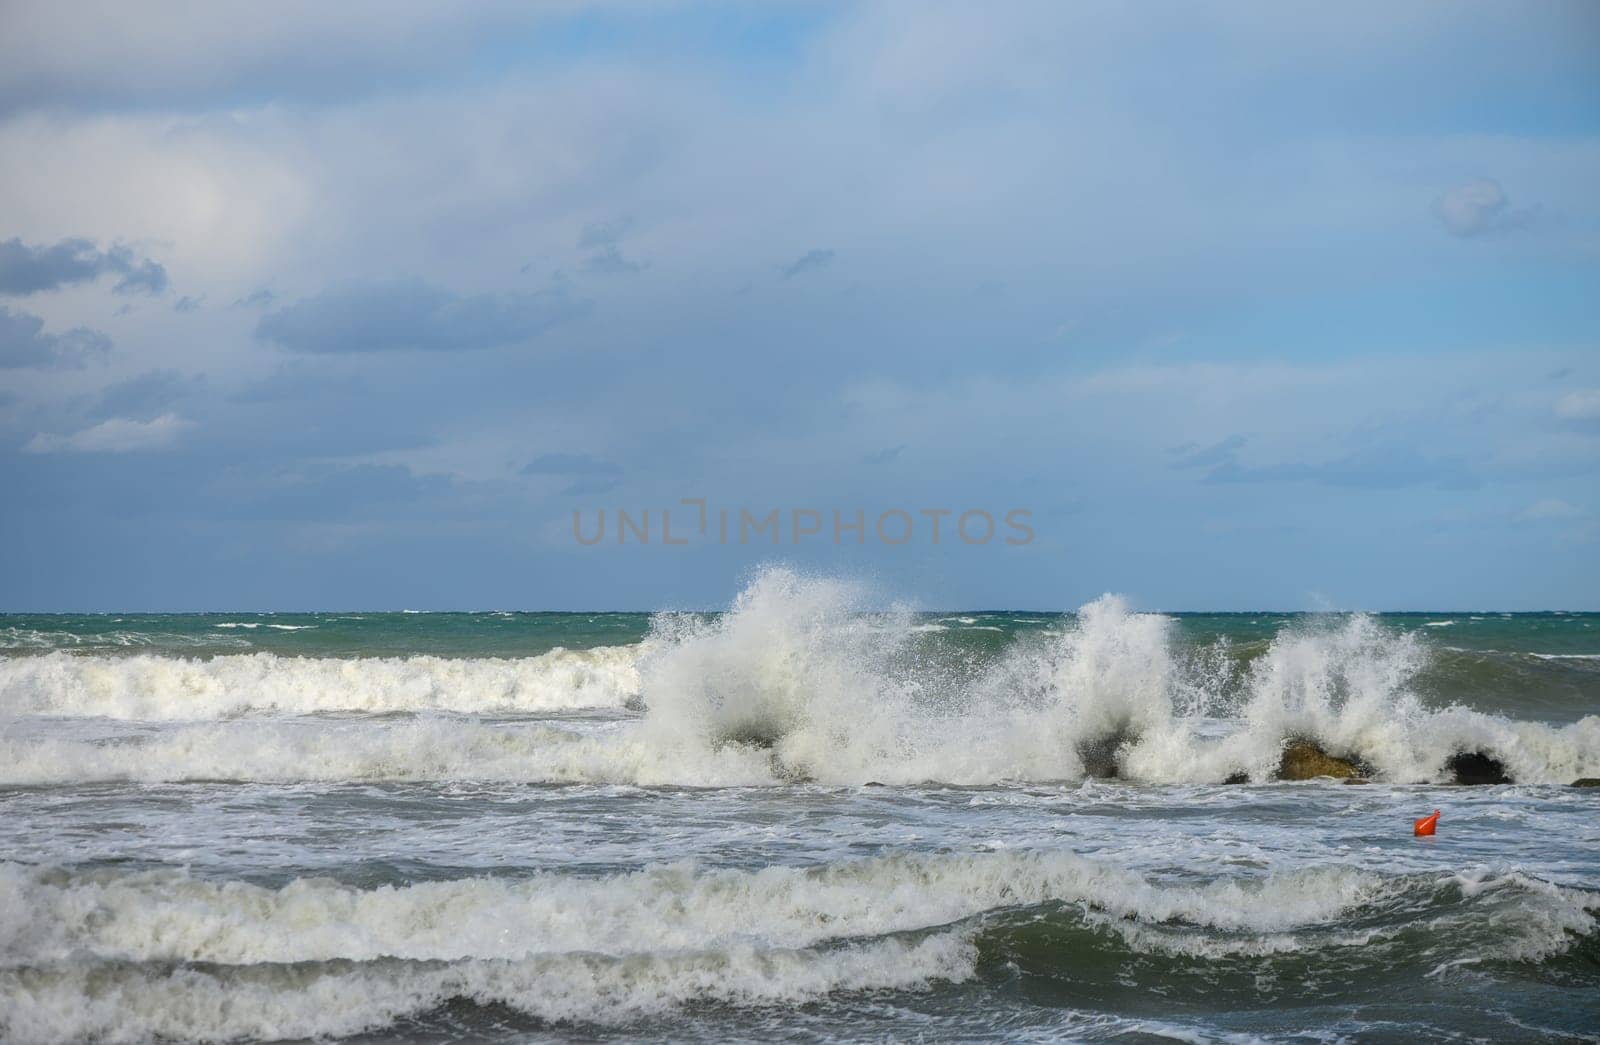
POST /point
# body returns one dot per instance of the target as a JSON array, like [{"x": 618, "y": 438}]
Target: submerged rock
[
  {"x": 1303, "y": 760},
  {"x": 1475, "y": 767}
]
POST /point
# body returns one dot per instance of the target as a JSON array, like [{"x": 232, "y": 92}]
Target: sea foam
[{"x": 155, "y": 688}]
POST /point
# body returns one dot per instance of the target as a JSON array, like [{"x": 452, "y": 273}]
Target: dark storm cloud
[
  {"x": 23, "y": 343},
  {"x": 810, "y": 261},
  {"x": 28, "y": 269},
  {"x": 411, "y": 316}
]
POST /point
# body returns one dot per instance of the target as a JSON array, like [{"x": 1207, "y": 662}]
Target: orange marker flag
[{"x": 1427, "y": 824}]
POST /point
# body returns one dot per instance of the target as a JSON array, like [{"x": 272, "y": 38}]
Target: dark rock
[
  {"x": 1475, "y": 767},
  {"x": 1237, "y": 778},
  {"x": 1587, "y": 781},
  {"x": 1357, "y": 780},
  {"x": 1100, "y": 756},
  {"x": 755, "y": 734},
  {"x": 1303, "y": 760}
]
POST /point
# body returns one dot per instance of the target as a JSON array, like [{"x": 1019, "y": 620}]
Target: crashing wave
[{"x": 800, "y": 681}]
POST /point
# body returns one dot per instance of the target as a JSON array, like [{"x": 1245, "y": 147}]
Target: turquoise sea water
[{"x": 798, "y": 818}]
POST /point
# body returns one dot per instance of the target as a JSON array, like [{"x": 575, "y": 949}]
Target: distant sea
[{"x": 800, "y": 818}]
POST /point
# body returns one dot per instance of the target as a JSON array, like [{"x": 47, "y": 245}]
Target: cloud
[
  {"x": 1378, "y": 468},
  {"x": 188, "y": 304},
  {"x": 1477, "y": 208},
  {"x": 176, "y": 53},
  {"x": 570, "y": 464},
  {"x": 884, "y": 456},
  {"x": 1191, "y": 456},
  {"x": 1549, "y": 509},
  {"x": 810, "y": 261},
  {"x": 604, "y": 240},
  {"x": 145, "y": 396},
  {"x": 594, "y": 476},
  {"x": 23, "y": 343},
  {"x": 118, "y": 435},
  {"x": 259, "y": 299},
  {"x": 411, "y": 316},
  {"x": 1381, "y": 467},
  {"x": 331, "y": 491},
  {"x": 26, "y": 269},
  {"x": 590, "y": 487},
  {"x": 297, "y": 384},
  {"x": 1582, "y": 405}
]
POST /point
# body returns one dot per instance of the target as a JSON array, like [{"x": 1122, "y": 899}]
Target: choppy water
[{"x": 795, "y": 819}]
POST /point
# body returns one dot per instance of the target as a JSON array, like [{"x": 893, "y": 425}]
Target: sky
[{"x": 1243, "y": 306}]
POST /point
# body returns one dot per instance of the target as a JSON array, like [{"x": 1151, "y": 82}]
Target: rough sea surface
[{"x": 796, "y": 819}]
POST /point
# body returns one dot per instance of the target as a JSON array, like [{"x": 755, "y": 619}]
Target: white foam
[
  {"x": 51, "y": 916},
  {"x": 795, "y": 665},
  {"x": 156, "y": 688},
  {"x": 289, "y": 751},
  {"x": 124, "y": 1004},
  {"x": 129, "y": 955}
]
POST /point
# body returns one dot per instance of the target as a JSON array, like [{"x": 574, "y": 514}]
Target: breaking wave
[
  {"x": 170, "y": 916},
  {"x": 841, "y": 696},
  {"x": 798, "y": 681},
  {"x": 322, "y": 1000},
  {"x": 130, "y": 955},
  {"x": 155, "y": 688}
]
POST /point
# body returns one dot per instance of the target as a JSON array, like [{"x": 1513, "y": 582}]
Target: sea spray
[{"x": 797, "y": 669}]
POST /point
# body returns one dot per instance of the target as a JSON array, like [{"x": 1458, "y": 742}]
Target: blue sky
[{"x": 1250, "y": 306}]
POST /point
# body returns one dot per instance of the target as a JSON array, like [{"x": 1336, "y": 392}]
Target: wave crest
[
  {"x": 841, "y": 696},
  {"x": 117, "y": 954},
  {"x": 155, "y": 688}
]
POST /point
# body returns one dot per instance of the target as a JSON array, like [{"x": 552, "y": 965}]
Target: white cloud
[
  {"x": 1582, "y": 405},
  {"x": 1477, "y": 207},
  {"x": 115, "y": 436}
]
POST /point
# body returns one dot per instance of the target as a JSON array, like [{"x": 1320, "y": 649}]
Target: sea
[{"x": 810, "y": 815}]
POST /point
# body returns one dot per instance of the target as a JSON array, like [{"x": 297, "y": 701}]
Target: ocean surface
[{"x": 802, "y": 818}]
